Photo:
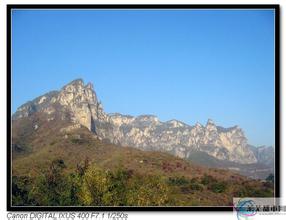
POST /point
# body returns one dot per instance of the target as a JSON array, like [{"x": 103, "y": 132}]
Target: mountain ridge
[{"x": 79, "y": 104}]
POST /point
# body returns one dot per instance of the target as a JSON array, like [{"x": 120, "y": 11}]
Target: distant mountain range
[{"x": 76, "y": 105}]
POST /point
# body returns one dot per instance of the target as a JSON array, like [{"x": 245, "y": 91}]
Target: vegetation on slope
[
  {"x": 90, "y": 185},
  {"x": 75, "y": 168}
]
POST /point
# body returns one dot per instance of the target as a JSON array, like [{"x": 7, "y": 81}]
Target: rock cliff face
[
  {"x": 264, "y": 154},
  {"x": 78, "y": 103},
  {"x": 77, "y": 100},
  {"x": 148, "y": 133}
]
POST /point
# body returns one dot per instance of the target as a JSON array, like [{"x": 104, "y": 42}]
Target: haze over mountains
[{"x": 208, "y": 145}]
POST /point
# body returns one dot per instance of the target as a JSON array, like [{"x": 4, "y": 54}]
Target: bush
[
  {"x": 117, "y": 188},
  {"x": 53, "y": 188},
  {"x": 20, "y": 190},
  {"x": 213, "y": 184},
  {"x": 207, "y": 179},
  {"x": 90, "y": 186},
  {"x": 218, "y": 187},
  {"x": 122, "y": 187},
  {"x": 178, "y": 181},
  {"x": 249, "y": 191},
  {"x": 148, "y": 191},
  {"x": 78, "y": 141},
  {"x": 81, "y": 168},
  {"x": 95, "y": 184},
  {"x": 196, "y": 186},
  {"x": 104, "y": 187}
]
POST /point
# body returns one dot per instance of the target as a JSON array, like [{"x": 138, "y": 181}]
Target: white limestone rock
[{"x": 79, "y": 104}]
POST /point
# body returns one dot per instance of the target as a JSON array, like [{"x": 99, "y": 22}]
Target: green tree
[
  {"x": 53, "y": 188},
  {"x": 148, "y": 191},
  {"x": 95, "y": 185},
  {"x": 20, "y": 190},
  {"x": 218, "y": 187},
  {"x": 120, "y": 188},
  {"x": 104, "y": 187},
  {"x": 117, "y": 188},
  {"x": 207, "y": 179}
]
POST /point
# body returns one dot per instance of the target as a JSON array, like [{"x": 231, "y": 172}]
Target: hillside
[
  {"x": 55, "y": 150},
  {"x": 77, "y": 104}
]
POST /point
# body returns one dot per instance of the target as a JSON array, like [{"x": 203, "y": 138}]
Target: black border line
[
  {"x": 277, "y": 102},
  {"x": 276, "y": 8}
]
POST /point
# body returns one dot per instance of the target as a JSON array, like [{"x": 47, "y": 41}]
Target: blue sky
[{"x": 190, "y": 65}]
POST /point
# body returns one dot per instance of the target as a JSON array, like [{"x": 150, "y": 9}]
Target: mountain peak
[
  {"x": 89, "y": 86},
  {"x": 77, "y": 85},
  {"x": 74, "y": 85},
  {"x": 175, "y": 123},
  {"x": 198, "y": 125},
  {"x": 210, "y": 122},
  {"x": 78, "y": 81}
]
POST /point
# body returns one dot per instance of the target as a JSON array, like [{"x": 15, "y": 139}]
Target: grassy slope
[
  {"x": 255, "y": 170},
  {"x": 48, "y": 143}
]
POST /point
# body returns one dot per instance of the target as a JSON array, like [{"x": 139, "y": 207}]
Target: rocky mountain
[
  {"x": 148, "y": 133},
  {"x": 76, "y": 99},
  {"x": 264, "y": 154},
  {"x": 78, "y": 104}
]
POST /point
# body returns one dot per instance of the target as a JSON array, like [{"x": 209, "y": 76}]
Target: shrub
[
  {"x": 252, "y": 191},
  {"x": 218, "y": 187},
  {"x": 207, "y": 179},
  {"x": 104, "y": 187},
  {"x": 178, "y": 181},
  {"x": 148, "y": 191},
  {"x": 196, "y": 186},
  {"x": 117, "y": 188},
  {"x": 78, "y": 141},
  {"x": 81, "y": 168},
  {"x": 20, "y": 190},
  {"x": 121, "y": 187},
  {"x": 95, "y": 184},
  {"x": 53, "y": 188}
]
